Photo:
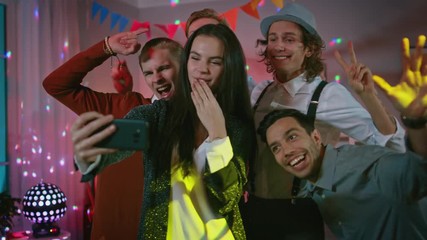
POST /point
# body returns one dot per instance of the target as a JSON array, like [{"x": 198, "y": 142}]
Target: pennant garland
[
  {"x": 254, "y": 3},
  {"x": 137, "y": 25},
  {"x": 183, "y": 25},
  {"x": 114, "y": 19},
  {"x": 231, "y": 17},
  {"x": 250, "y": 8},
  {"x": 95, "y": 9},
  {"x": 278, "y": 3},
  {"x": 123, "y": 23},
  {"x": 104, "y": 13},
  {"x": 169, "y": 29}
]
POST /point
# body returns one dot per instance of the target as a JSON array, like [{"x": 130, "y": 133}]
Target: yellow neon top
[{"x": 190, "y": 216}]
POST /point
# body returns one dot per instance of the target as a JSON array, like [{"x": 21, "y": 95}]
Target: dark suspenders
[
  {"x": 313, "y": 103},
  {"x": 261, "y": 95},
  {"x": 311, "y": 112},
  {"x": 312, "y": 108}
]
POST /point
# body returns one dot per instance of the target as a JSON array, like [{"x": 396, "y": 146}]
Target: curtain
[{"x": 41, "y": 36}]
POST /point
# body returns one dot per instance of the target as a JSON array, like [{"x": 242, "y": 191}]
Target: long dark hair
[
  {"x": 312, "y": 65},
  {"x": 232, "y": 95}
]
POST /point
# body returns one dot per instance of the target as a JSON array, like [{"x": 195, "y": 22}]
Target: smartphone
[{"x": 129, "y": 135}]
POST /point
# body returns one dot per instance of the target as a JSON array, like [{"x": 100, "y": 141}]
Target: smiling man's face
[
  {"x": 294, "y": 149},
  {"x": 285, "y": 49}
]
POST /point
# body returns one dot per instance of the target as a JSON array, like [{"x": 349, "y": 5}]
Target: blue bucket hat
[{"x": 292, "y": 12}]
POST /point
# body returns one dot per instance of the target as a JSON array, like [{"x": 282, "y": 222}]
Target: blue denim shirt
[{"x": 371, "y": 192}]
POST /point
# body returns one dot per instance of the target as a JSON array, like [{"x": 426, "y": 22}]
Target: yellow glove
[{"x": 412, "y": 89}]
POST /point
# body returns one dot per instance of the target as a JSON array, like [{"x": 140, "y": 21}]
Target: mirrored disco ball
[{"x": 44, "y": 203}]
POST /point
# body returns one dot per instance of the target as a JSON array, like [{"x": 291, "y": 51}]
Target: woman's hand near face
[
  {"x": 84, "y": 135},
  {"x": 208, "y": 110}
]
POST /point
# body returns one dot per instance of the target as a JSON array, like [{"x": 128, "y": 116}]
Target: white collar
[
  {"x": 154, "y": 98},
  {"x": 296, "y": 84}
]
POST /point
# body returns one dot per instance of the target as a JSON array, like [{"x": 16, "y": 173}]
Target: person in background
[
  {"x": 292, "y": 53},
  {"x": 209, "y": 16},
  {"x": 410, "y": 99},
  {"x": 120, "y": 186},
  {"x": 202, "y": 17},
  {"x": 363, "y": 192},
  {"x": 159, "y": 61},
  {"x": 199, "y": 140},
  {"x": 122, "y": 221},
  {"x": 410, "y": 96}
]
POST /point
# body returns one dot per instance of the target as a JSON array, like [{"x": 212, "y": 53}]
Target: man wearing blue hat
[{"x": 293, "y": 55}]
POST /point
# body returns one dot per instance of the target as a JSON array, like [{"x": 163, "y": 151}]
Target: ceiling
[{"x": 158, "y": 3}]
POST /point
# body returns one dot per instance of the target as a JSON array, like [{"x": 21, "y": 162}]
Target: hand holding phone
[{"x": 129, "y": 135}]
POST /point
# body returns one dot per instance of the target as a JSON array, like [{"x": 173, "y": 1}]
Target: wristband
[
  {"x": 107, "y": 48},
  {"x": 413, "y": 123}
]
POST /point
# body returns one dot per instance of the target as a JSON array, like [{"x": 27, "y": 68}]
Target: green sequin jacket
[{"x": 224, "y": 187}]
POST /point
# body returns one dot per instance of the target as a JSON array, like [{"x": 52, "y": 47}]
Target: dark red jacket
[{"x": 119, "y": 188}]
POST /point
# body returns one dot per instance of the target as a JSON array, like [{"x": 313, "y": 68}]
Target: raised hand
[
  {"x": 410, "y": 95},
  {"x": 126, "y": 43},
  {"x": 84, "y": 137},
  {"x": 361, "y": 81},
  {"x": 208, "y": 110},
  {"x": 359, "y": 76}
]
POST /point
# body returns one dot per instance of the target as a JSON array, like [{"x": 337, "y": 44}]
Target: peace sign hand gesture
[
  {"x": 359, "y": 76},
  {"x": 361, "y": 81}
]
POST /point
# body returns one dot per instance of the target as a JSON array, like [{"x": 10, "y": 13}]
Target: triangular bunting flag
[
  {"x": 254, "y": 3},
  {"x": 183, "y": 25},
  {"x": 104, "y": 13},
  {"x": 114, "y": 19},
  {"x": 137, "y": 25},
  {"x": 248, "y": 9},
  {"x": 162, "y": 27},
  {"x": 123, "y": 23},
  {"x": 278, "y": 3},
  {"x": 95, "y": 8},
  {"x": 169, "y": 29},
  {"x": 231, "y": 17},
  {"x": 172, "y": 28}
]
